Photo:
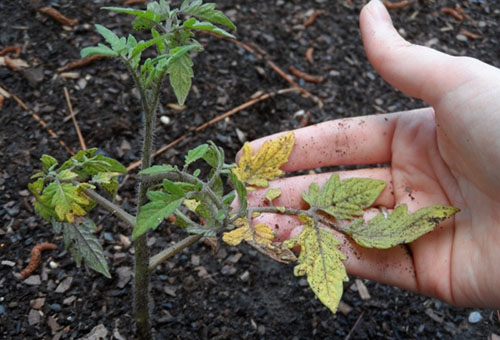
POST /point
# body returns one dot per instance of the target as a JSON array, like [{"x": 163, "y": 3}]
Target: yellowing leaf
[
  {"x": 261, "y": 233},
  {"x": 272, "y": 194},
  {"x": 261, "y": 238},
  {"x": 382, "y": 233},
  {"x": 321, "y": 261},
  {"x": 67, "y": 200},
  {"x": 265, "y": 165}
]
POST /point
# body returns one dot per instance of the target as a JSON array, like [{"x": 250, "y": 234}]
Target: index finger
[{"x": 348, "y": 141}]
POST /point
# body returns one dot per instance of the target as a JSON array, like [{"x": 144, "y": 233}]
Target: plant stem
[
  {"x": 141, "y": 251},
  {"x": 171, "y": 251}
]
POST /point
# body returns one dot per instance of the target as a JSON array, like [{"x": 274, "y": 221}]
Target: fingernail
[{"x": 378, "y": 11}]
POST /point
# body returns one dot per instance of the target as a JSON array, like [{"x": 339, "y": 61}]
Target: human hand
[{"x": 446, "y": 154}]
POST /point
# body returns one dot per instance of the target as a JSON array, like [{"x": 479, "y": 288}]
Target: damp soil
[{"x": 236, "y": 293}]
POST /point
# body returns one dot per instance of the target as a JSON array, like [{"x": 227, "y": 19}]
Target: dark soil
[{"x": 237, "y": 293}]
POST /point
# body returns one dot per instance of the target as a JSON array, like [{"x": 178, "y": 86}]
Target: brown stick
[
  {"x": 470, "y": 35},
  {"x": 2, "y": 98},
  {"x": 79, "y": 63},
  {"x": 307, "y": 77},
  {"x": 396, "y": 5},
  {"x": 203, "y": 126},
  {"x": 312, "y": 18},
  {"x": 36, "y": 257},
  {"x": 58, "y": 16},
  {"x": 348, "y": 336},
  {"x": 132, "y": 2},
  {"x": 12, "y": 48},
  {"x": 454, "y": 13},
  {"x": 40, "y": 121},
  {"x": 75, "y": 123}
]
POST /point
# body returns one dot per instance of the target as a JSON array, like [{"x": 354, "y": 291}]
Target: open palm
[{"x": 446, "y": 154}]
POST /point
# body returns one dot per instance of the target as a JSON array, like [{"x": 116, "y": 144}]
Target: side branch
[
  {"x": 169, "y": 252},
  {"x": 111, "y": 207}
]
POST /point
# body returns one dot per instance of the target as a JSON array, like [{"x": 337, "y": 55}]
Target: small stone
[
  {"x": 54, "y": 326},
  {"x": 37, "y": 303},
  {"x": 64, "y": 285},
  {"x": 228, "y": 270},
  {"x": 165, "y": 120},
  {"x": 56, "y": 307},
  {"x": 245, "y": 276},
  {"x": 33, "y": 280},
  {"x": 69, "y": 300},
  {"x": 34, "y": 317},
  {"x": 124, "y": 276},
  {"x": 97, "y": 333},
  {"x": 461, "y": 37},
  {"x": 169, "y": 290},
  {"x": 8, "y": 263},
  {"x": 234, "y": 258},
  {"x": 475, "y": 317},
  {"x": 195, "y": 260},
  {"x": 2, "y": 310}
]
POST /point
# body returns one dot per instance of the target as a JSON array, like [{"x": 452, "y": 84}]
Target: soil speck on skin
[{"x": 256, "y": 297}]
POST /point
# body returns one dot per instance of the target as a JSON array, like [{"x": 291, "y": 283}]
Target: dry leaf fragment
[{"x": 265, "y": 165}]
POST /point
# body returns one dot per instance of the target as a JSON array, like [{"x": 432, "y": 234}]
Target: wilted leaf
[
  {"x": 381, "y": 232},
  {"x": 264, "y": 166},
  {"x": 66, "y": 199},
  {"x": 321, "y": 261}
]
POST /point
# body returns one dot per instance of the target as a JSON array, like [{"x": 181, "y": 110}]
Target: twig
[
  {"x": 36, "y": 256},
  {"x": 396, "y": 5},
  {"x": 457, "y": 13},
  {"x": 78, "y": 63},
  {"x": 58, "y": 16},
  {"x": 470, "y": 35},
  {"x": 312, "y": 18},
  {"x": 40, "y": 121},
  {"x": 307, "y": 77},
  {"x": 348, "y": 336},
  {"x": 214, "y": 121},
  {"x": 171, "y": 251},
  {"x": 12, "y": 48},
  {"x": 260, "y": 54},
  {"x": 132, "y": 2},
  {"x": 75, "y": 123}
]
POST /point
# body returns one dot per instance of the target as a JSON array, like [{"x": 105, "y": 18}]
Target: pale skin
[{"x": 448, "y": 153}]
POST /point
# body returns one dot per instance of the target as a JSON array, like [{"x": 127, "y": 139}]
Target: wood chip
[
  {"x": 362, "y": 290},
  {"x": 37, "y": 303},
  {"x": 64, "y": 285},
  {"x": 99, "y": 332},
  {"x": 309, "y": 55},
  {"x": 344, "y": 308},
  {"x": 54, "y": 326}
]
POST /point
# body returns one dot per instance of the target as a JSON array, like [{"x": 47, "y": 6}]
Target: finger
[
  {"x": 293, "y": 187},
  {"x": 359, "y": 140},
  {"x": 392, "y": 266},
  {"x": 416, "y": 70}
]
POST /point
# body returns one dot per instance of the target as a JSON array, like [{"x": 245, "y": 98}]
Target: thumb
[{"x": 418, "y": 71}]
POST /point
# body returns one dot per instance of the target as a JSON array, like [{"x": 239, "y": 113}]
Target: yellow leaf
[
  {"x": 260, "y": 233},
  {"x": 261, "y": 238},
  {"x": 265, "y": 165},
  {"x": 321, "y": 261}
]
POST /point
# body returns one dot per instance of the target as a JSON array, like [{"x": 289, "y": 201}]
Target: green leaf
[
  {"x": 192, "y": 23},
  {"x": 83, "y": 244},
  {"x": 242, "y": 193},
  {"x": 345, "y": 199},
  {"x": 152, "y": 214},
  {"x": 48, "y": 163},
  {"x": 100, "y": 49},
  {"x": 173, "y": 188},
  {"x": 142, "y": 45},
  {"x": 385, "y": 232},
  {"x": 195, "y": 154},
  {"x": 213, "y": 157},
  {"x": 160, "y": 45},
  {"x": 321, "y": 261},
  {"x": 157, "y": 169},
  {"x": 207, "y": 12},
  {"x": 229, "y": 198},
  {"x": 90, "y": 163},
  {"x": 117, "y": 44},
  {"x": 180, "y": 74}
]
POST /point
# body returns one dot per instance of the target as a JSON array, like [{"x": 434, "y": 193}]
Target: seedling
[{"x": 203, "y": 203}]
